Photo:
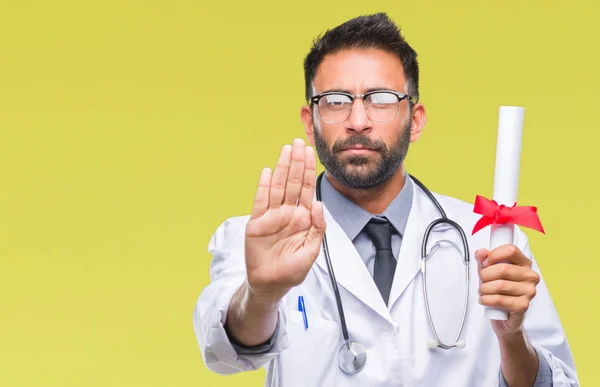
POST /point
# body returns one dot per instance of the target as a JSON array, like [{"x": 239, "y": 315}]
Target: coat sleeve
[
  {"x": 227, "y": 274},
  {"x": 544, "y": 329}
]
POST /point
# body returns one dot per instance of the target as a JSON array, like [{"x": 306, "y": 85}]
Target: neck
[{"x": 374, "y": 200}]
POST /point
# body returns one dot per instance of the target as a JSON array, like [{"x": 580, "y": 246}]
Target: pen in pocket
[{"x": 302, "y": 308}]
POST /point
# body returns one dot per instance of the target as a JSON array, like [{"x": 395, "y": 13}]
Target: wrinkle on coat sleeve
[{"x": 227, "y": 274}]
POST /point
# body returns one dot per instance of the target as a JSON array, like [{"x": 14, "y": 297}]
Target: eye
[
  {"x": 335, "y": 101},
  {"x": 382, "y": 99}
]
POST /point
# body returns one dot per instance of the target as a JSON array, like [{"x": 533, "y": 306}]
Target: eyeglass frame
[{"x": 401, "y": 96}]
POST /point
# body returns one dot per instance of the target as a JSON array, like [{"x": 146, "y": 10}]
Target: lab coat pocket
[{"x": 311, "y": 359}]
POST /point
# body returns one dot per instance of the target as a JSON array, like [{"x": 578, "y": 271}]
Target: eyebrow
[{"x": 335, "y": 90}]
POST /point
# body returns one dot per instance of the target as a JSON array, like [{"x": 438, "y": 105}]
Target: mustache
[{"x": 366, "y": 142}]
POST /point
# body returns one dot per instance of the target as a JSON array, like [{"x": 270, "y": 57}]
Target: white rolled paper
[{"x": 506, "y": 180}]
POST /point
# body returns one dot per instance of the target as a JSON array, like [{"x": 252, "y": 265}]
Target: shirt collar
[{"x": 352, "y": 218}]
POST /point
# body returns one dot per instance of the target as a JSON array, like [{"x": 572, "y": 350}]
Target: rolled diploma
[{"x": 506, "y": 180}]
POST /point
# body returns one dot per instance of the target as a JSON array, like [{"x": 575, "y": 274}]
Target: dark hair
[{"x": 367, "y": 31}]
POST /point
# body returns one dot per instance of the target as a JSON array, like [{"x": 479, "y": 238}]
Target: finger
[
  {"x": 277, "y": 189},
  {"x": 261, "y": 200},
  {"x": 310, "y": 175},
  {"x": 511, "y": 304},
  {"x": 509, "y": 272},
  {"x": 481, "y": 254},
  {"x": 317, "y": 216},
  {"x": 507, "y": 253},
  {"x": 296, "y": 173},
  {"x": 317, "y": 230},
  {"x": 507, "y": 288}
]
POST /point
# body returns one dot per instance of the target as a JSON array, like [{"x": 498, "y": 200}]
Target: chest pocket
[{"x": 311, "y": 359}]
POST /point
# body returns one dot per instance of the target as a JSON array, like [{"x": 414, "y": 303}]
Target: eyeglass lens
[{"x": 335, "y": 108}]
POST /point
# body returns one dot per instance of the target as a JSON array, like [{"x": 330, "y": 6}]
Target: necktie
[{"x": 380, "y": 231}]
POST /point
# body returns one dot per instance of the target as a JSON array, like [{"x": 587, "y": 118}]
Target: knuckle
[
  {"x": 512, "y": 250},
  {"x": 503, "y": 269},
  {"x": 282, "y": 165},
  {"x": 310, "y": 167},
  {"x": 523, "y": 304},
  {"x": 298, "y": 157},
  {"x": 296, "y": 180},
  {"x": 533, "y": 291},
  {"x": 277, "y": 186},
  {"x": 484, "y": 289},
  {"x": 484, "y": 277},
  {"x": 501, "y": 286},
  {"x": 497, "y": 286}
]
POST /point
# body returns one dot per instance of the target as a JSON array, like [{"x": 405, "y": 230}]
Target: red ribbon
[{"x": 493, "y": 213}]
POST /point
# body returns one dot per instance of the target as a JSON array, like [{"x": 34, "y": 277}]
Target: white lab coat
[{"x": 396, "y": 337}]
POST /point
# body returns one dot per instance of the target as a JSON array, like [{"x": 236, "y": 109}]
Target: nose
[{"x": 358, "y": 120}]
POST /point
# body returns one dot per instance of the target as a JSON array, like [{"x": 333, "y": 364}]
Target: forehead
[{"x": 358, "y": 70}]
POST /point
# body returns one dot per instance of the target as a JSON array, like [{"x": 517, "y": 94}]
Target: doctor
[{"x": 362, "y": 113}]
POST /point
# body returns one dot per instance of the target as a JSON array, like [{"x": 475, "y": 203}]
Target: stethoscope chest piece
[{"x": 352, "y": 357}]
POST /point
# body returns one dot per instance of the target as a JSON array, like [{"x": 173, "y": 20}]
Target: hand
[
  {"x": 284, "y": 233},
  {"x": 507, "y": 282}
]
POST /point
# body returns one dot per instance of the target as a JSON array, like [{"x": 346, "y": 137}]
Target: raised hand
[{"x": 284, "y": 233}]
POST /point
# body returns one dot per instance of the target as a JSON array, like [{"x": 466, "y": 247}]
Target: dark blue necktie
[{"x": 380, "y": 231}]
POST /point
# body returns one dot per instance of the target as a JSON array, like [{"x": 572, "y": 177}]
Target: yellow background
[{"x": 129, "y": 130}]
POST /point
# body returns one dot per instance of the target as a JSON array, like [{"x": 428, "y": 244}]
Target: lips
[
  {"x": 357, "y": 151},
  {"x": 357, "y": 147}
]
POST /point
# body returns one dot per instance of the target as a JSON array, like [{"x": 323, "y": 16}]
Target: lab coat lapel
[
  {"x": 349, "y": 269},
  {"x": 422, "y": 213}
]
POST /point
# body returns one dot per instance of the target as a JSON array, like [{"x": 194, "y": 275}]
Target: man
[{"x": 271, "y": 302}]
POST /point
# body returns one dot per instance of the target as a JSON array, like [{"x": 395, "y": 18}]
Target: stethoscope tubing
[
  {"x": 442, "y": 220},
  {"x": 336, "y": 291}
]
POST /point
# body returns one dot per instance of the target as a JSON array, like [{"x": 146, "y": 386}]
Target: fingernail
[
  {"x": 485, "y": 262},
  {"x": 479, "y": 300}
]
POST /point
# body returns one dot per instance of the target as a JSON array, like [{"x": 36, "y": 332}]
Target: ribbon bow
[{"x": 493, "y": 213}]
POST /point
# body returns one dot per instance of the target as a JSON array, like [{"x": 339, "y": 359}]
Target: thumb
[
  {"x": 480, "y": 256},
  {"x": 317, "y": 229}
]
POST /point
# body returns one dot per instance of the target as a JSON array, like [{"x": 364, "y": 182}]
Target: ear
[
  {"x": 306, "y": 115},
  {"x": 419, "y": 119}
]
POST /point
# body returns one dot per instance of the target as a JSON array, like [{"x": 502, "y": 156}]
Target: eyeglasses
[{"x": 335, "y": 107}]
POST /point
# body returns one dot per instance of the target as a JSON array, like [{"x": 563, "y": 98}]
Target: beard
[{"x": 358, "y": 171}]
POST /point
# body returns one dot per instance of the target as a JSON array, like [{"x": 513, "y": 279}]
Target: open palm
[{"x": 283, "y": 235}]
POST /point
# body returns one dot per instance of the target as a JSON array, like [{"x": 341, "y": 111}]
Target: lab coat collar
[{"x": 422, "y": 213}]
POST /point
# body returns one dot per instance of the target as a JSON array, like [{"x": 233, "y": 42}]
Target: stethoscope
[{"x": 352, "y": 355}]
